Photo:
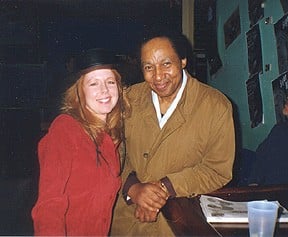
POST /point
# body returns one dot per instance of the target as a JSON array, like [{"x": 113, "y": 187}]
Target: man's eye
[
  {"x": 167, "y": 64},
  {"x": 148, "y": 68}
]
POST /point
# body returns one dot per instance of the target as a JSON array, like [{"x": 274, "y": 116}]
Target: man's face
[{"x": 162, "y": 68}]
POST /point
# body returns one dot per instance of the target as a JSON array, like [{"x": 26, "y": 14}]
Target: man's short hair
[{"x": 179, "y": 41}]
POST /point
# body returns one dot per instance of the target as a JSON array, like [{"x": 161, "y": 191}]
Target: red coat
[{"x": 76, "y": 196}]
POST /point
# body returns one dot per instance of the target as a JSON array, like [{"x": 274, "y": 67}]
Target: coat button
[{"x": 145, "y": 155}]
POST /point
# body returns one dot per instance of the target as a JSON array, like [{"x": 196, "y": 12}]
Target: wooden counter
[{"x": 185, "y": 216}]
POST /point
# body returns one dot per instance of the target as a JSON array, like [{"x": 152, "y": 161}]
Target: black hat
[{"x": 92, "y": 59}]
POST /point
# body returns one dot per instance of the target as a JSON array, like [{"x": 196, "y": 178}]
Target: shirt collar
[{"x": 163, "y": 119}]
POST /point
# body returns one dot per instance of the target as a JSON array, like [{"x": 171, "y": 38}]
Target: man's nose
[{"x": 158, "y": 73}]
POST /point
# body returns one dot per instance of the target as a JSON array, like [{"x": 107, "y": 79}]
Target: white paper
[{"x": 220, "y": 210}]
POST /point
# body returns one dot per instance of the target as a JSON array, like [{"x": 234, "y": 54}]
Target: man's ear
[{"x": 184, "y": 62}]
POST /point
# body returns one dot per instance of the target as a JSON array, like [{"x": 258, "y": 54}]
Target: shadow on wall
[{"x": 244, "y": 158}]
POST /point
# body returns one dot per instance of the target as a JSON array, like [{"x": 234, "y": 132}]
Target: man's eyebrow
[{"x": 142, "y": 63}]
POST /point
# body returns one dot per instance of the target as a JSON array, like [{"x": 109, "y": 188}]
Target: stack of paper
[{"x": 220, "y": 210}]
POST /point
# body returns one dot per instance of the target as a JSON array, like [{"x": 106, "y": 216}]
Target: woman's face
[{"x": 100, "y": 91}]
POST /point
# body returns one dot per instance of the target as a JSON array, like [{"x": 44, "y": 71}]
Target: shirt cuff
[
  {"x": 166, "y": 181},
  {"x": 131, "y": 180}
]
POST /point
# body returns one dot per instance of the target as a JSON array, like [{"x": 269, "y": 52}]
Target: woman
[{"x": 79, "y": 160}]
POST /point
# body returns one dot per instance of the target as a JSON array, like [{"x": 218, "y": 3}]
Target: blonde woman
[{"x": 79, "y": 159}]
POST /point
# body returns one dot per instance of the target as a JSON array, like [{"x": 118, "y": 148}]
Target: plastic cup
[{"x": 262, "y": 217}]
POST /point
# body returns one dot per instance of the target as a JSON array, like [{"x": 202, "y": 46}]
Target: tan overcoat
[{"x": 195, "y": 149}]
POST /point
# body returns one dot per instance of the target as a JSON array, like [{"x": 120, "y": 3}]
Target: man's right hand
[{"x": 148, "y": 196}]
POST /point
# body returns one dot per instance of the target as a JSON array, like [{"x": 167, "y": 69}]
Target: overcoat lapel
[{"x": 174, "y": 122}]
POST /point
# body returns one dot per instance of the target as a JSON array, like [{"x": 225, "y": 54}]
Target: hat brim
[{"x": 96, "y": 67}]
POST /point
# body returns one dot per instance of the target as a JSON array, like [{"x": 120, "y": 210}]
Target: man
[
  {"x": 271, "y": 163},
  {"x": 180, "y": 139}
]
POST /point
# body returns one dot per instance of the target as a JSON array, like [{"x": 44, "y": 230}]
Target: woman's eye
[{"x": 111, "y": 82}]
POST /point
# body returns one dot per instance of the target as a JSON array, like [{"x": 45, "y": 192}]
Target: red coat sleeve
[{"x": 55, "y": 154}]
